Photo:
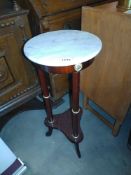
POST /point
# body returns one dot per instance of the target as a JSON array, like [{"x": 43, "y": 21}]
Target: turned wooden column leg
[
  {"x": 75, "y": 108},
  {"x": 46, "y": 96}
]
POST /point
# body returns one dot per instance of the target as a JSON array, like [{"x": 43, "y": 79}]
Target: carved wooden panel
[
  {"x": 18, "y": 79},
  {"x": 5, "y": 74}
]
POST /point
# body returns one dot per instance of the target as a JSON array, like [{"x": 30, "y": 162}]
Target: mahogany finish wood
[
  {"x": 63, "y": 69},
  {"x": 46, "y": 94},
  {"x": 63, "y": 122},
  {"x": 75, "y": 103},
  {"x": 69, "y": 121}
]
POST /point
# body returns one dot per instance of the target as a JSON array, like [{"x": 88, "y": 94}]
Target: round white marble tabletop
[{"x": 62, "y": 48}]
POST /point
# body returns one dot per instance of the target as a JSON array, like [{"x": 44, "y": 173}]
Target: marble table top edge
[{"x": 62, "y": 48}]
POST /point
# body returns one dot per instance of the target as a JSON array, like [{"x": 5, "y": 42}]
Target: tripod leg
[
  {"x": 77, "y": 150},
  {"x": 46, "y": 96},
  {"x": 49, "y": 132}
]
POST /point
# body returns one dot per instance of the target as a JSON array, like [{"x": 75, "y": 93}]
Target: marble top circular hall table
[{"x": 63, "y": 51}]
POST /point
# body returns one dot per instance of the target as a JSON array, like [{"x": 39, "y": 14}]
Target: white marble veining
[{"x": 62, "y": 48}]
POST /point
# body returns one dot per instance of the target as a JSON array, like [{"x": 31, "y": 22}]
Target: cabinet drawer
[
  {"x": 64, "y": 20},
  {"x": 61, "y": 5},
  {"x": 5, "y": 74}
]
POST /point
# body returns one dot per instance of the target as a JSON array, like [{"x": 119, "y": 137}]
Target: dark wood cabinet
[
  {"x": 18, "y": 79},
  {"x": 49, "y": 15}
]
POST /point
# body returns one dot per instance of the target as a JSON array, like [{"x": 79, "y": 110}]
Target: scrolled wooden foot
[
  {"x": 77, "y": 150},
  {"x": 49, "y": 132}
]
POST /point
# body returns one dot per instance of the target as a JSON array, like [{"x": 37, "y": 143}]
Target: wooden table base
[
  {"x": 69, "y": 121},
  {"x": 63, "y": 122}
]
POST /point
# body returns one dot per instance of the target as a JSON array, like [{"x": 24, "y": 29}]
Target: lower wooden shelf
[{"x": 63, "y": 122}]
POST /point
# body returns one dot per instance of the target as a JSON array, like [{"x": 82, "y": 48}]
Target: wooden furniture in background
[
  {"x": 49, "y": 15},
  {"x": 18, "y": 80},
  {"x": 107, "y": 82}
]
